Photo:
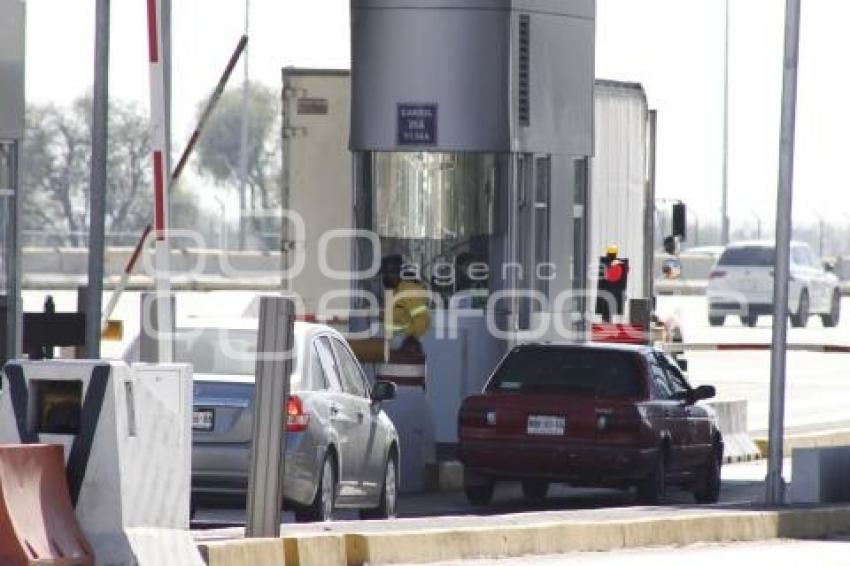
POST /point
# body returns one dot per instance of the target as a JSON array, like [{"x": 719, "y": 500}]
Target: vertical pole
[
  {"x": 243, "y": 142},
  {"x": 158, "y": 136},
  {"x": 274, "y": 364},
  {"x": 774, "y": 484},
  {"x": 724, "y": 216},
  {"x": 13, "y": 255},
  {"x": 166, "y": 74},
  {"x": 97, "y": 190},
  {"x": 649, "y": 227}
]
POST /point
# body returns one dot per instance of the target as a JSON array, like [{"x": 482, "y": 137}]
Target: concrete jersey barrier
[{"x": 732, "y": 421}]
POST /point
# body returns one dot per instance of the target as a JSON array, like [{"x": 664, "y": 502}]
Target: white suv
[{"x": 741, "y": 283}]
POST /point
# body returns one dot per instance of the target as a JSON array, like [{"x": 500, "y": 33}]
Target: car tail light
[
  {"x": 717, "y": 274},
  {"x": 477, "y": 417},
  {"x": 296, "y": 419},
  {"x": 620, "y": 425}
]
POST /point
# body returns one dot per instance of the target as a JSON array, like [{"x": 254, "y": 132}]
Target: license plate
[
  {"x": 202, "y": 419},
  {"x": 546, "y": 426}
]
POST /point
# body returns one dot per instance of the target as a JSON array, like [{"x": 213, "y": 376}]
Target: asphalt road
[
  {"x": 742, "y": 485},
  {"x": 818, "y": 385}
]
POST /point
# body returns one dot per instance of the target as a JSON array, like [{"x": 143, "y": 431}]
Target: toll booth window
[
  {"x": 58, "y": 405},
  {"x": 439, "y": 211}
]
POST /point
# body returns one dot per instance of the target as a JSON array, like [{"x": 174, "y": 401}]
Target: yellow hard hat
[{"x": 612, "y": 249}]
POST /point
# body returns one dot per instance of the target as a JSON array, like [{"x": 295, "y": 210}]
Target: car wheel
[
  {"x": 708, "y": 490},
  {"x": 750, "y": 320},
  {"x": 652, "y": 489},
  {"x": 322, "y": 507},
  {"x": 801, "y": 318},
  {"x": 716, "y": 320},
  {"x": 831, "y": 320},
  {"x": 386, "y": 508},
  {"x": 480, "y": 494},
  {"x": 535, "y": 490}
]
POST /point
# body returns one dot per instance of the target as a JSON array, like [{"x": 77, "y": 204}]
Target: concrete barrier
[
  {"x": 243, "y": 552},
  {"x": 732, "y": 421},
  {"x": 820, "y": 475},
  {"x": 390, "y": 543},
  {"x": 822, "y": 439},
  {"x": 316, "y": 550},
  {"x": 37, "y": 521}
]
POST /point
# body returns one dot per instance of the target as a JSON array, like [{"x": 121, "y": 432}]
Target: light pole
[
  {"x": 821, "y": 226},
  {"x": 774, "y": 483},
  {"x": 845, "y": 249},
  {"x": 724, "y": 213},
  {"x": 758, "y": 224},
  {"x": 222, "y": 241},
  {"x": 243, "y": 141},
  {"x": 696, "y": 227}
]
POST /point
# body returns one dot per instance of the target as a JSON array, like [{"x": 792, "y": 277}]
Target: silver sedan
[{"x": 342, "y": 451}]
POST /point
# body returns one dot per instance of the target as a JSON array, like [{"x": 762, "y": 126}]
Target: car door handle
[{"x": 334, "y": 409}]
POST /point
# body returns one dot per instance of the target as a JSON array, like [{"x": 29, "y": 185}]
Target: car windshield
[
  {"x": 748, "y": 255},
  {"x": 600, "y": 373}
]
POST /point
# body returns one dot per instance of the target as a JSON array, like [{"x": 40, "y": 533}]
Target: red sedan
[{"x": 590, "y": 415}]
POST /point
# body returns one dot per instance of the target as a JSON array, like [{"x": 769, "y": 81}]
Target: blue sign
[{"x": 417, "y": 124}]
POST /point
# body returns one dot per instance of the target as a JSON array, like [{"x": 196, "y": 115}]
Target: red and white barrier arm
[
  {"x": 184, "y": 158},
  {"x": 677, "y": 348},
  {"x": 125, "y": 277}
]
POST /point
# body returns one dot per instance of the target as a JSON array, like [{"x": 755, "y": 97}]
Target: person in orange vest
[{"x": 406, "y": 311}]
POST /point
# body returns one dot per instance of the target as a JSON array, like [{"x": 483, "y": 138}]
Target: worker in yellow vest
[{"x": 406, "y": 309}]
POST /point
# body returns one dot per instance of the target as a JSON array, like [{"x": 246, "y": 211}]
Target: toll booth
[
  {"x": 11, "y": 133},
  {"x": 471, "y": 128}
]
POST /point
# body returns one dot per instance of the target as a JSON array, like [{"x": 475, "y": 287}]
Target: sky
[{"x": 673, "y": 47}]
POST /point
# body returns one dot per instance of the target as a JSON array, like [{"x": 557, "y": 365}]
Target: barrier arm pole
[
  {"x": 178, "y": 170},
  {"x": 774, "y": 483},
  {"x": 162, "y": 275}
]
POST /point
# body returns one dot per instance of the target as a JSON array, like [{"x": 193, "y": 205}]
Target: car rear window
[
  {"x": 608, "y": 374},
  {"x": 214, "y": 351},
  {"x": 748, "y": 255}
]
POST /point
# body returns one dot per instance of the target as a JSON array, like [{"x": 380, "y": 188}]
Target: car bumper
[
  {"x": 576, "y": 464},
  {"x": 222, "y": 470}
]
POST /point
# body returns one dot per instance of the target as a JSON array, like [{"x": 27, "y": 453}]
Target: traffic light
[{"x": 611, "y": 286}]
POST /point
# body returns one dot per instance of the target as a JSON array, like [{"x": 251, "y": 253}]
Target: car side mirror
[
  {"x": 703, "y": 392},
  {"x": 828, "y": 267},
  {"x": 383, "y": 391}
]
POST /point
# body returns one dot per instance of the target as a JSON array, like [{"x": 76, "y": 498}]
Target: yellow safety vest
[{"x": 407, "y": 310}]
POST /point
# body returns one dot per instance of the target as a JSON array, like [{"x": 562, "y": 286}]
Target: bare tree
[
  {"x": 219, "y": 148},
  {"x": 56, "y": 165}
]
